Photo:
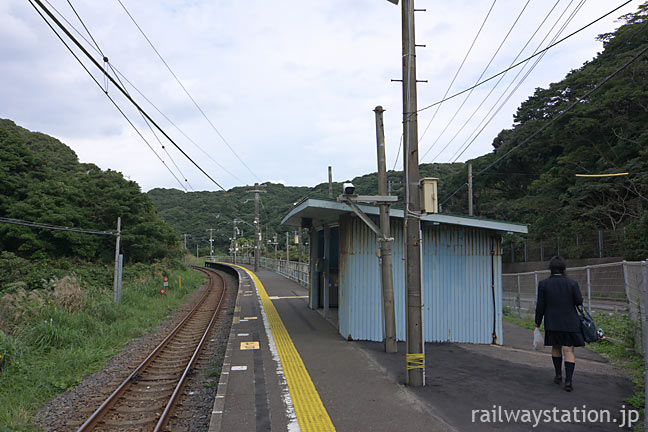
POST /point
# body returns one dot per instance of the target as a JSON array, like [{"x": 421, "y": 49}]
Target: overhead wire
[
  {"x": 517, "y": 19},
  {"x": 112, "y": 80},
  {"x": 556, "y": 118},
  {"x": 492, "y": 77},
  {"x": 108, "y": 64},
  {"x": 461, "y": 148},
  {"x": 469, "y": 141},
  {"x": 53, "y": 227},
  {"x": 187, "y": 92},
  {"x": 492, "y": 89},
  {"x": 123, "y": 77},
  {"x": 107, "y": 95},
  {"x": 459, "y": 68}
]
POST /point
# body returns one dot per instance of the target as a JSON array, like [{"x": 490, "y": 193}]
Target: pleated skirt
[{"x": 564, "y": 338}]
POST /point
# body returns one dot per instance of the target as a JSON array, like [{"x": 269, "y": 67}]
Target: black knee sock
[
  {"x": 569, "y": 371},
  {"x": 557, "y": 361}
]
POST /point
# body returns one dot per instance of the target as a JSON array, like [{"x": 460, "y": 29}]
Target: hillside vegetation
[
  {"x": 41, "y": 180},
  {"x": 535, "y": 183}
]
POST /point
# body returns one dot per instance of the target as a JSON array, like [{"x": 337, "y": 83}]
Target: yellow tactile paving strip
[{"x": 310, "y": 411}]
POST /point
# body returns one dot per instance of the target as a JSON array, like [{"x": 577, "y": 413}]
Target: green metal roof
[{"x": 326, "y": 211}]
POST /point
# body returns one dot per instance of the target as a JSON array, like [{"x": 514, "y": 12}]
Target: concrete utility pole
[
  {"x": 298, "y": 238},
  {"x": 257, "y": 227},
  {"x": 211, "y": 244},
  {"x": 287, "y": 247},
  {"x": 276, "y": 242},
  {"x": 470, "y": 191},
  {"x": 185, "y": 248},
  {"x": 385, "y": 246},
  {"x": 234, "y": 231},
  {"x": 116, "y": 278},
  {"x": 415, "y": 344},
  {"x": 330, "y": 169}
]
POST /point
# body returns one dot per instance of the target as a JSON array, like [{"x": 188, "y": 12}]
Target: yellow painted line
[
  {"x": 603, "y": 175},
  {"x": 249, "y": 345},
  {"x": 285, "y": 297},
  {"x": 237, "y": 309},
  {"x": 309, "y": 409},
  {"x": 236, "y": 320},
  {"x": 249, "y": 318}
]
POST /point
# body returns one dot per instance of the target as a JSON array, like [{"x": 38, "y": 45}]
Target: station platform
[{"x": 287, "y": 368}]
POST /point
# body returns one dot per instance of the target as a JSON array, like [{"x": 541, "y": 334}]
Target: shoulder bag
[{"x": 587, "y": 325}]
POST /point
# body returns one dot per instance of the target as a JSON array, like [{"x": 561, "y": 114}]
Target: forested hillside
[
  {"x": 194, "y": 213},
  {"x": 534, "y": 182},
  {"x": 41, "y": 180},
  {"x": 606, "y": 132}
]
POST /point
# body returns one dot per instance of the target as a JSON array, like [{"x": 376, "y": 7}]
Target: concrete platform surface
[{"x": 361, "y": 388}]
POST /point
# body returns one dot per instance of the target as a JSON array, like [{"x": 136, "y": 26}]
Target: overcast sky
[{"x": 289, "y": 84}]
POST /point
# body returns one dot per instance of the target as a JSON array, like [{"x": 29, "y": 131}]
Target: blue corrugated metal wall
[{"x": 457, "y": 292}]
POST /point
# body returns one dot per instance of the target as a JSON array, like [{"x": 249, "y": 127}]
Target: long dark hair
[{"x": 557, "y": 265}]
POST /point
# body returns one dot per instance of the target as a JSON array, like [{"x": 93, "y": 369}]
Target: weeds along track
[{"x": 145, "y": 400}]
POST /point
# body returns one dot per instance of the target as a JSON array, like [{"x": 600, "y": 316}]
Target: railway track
[{"x": 145, "y": 400}]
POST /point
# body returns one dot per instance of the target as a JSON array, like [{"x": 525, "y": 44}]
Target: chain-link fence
[
  {"x": 597, "y": 244},
  {"x": 614, "y": 287}
]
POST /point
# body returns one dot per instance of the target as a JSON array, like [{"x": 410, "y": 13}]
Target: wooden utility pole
[
  {"x": 385, "y": 246},
  {"x": 470, "y": 191},
  {"x": 116, "y": 278},
  {"x": 257, "y": 227},
  {"x": 415, "y": 344},
  {"x": 330, "y": 172}
]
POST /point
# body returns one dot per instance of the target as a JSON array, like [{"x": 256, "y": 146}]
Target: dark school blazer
[{"x": 558, "y": 297}]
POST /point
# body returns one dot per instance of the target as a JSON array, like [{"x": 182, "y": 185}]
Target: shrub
[{"x": 68, "y": 294}]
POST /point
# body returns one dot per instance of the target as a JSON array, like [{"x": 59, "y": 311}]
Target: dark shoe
[
  {"x": 568, "y": 386},
  {"x": 558, "y": 379}
]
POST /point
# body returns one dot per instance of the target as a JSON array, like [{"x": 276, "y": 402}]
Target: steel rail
[
  {"x": 92, "y": 421},
  {"x": 172, "y": 400}
]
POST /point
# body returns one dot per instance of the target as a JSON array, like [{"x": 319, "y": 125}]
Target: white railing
[{"x": 293, "y": 270}]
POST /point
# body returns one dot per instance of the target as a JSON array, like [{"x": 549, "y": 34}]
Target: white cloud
[{"x": 291, "y": 85}]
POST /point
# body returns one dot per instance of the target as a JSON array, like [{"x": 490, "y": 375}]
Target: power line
[
  {"x": 130, "y": 99},
  {"x": 468, "y": 142},
  {"x": 106, "y": 62},
  {"x": 565, "y": 111},
  {"x": 480, "y": 77},
  {"x": 525, "y": 60},
  {"x": 187, "y": 92},
  {"x": 107, "y": 95},
  {"x": 460, "y": 67},
  {"x": 557, "y": 117},
  {"x": 53, "y": 227},
  {"x": 119, "y": 74}
]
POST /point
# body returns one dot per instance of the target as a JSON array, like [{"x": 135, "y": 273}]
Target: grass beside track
[{"x": 48, "y": 347}]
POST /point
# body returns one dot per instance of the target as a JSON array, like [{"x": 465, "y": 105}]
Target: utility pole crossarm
[{"x": 362, "y": 215}]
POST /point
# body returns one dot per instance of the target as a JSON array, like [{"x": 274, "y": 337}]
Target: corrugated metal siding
[
  {"x": 457, "y": 293},
  {"x": 360, "y": 313}
]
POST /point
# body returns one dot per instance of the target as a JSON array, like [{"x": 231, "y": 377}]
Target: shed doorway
[{"x": 327, "y": 269}]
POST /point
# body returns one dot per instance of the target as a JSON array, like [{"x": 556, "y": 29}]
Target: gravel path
[{"x": 70, "y": 409}]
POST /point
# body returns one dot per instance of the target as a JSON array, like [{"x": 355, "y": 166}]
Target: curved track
[{"x": 146, "y": 398}]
